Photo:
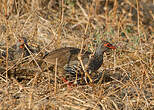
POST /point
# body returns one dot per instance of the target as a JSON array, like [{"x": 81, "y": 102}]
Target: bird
[
  {"x": 19, "y": 59},
  {"x": 16, "y": 51},
  {"x": 14, "y": 54},
  {"x": 68, "y": 59}
]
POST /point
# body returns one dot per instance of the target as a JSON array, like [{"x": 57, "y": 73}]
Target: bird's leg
[{"x": 61, "y": 72}]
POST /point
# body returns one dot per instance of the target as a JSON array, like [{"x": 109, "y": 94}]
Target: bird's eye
[{"x": 107, "y": 45}]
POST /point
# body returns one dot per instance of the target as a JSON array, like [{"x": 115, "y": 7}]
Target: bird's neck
[{"x": 95, "y": 61}]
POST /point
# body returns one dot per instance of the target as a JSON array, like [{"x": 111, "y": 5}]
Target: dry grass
[{"x": 50, "y": 24}]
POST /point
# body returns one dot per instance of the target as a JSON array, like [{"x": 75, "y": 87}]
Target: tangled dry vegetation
[{"x": 51, "y": 24}]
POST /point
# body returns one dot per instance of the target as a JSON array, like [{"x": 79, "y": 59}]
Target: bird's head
[
  {"x": 104, "y": 46},
  {"x": 20, "y": 44}
]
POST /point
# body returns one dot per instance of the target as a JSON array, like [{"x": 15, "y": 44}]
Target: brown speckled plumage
[{"x": 68, "y": 57}]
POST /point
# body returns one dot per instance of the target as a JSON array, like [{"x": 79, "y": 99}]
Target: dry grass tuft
[{"x": 51, "y": 24}]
